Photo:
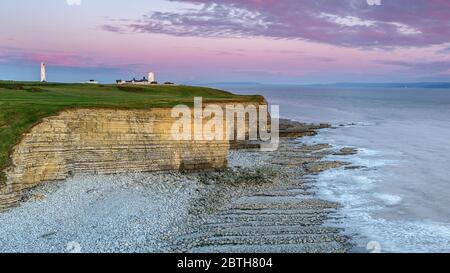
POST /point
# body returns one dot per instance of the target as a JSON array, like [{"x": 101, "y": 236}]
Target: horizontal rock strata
[
  {"x": 104, "y": 141},
  {"x": 281, "y": 215}
]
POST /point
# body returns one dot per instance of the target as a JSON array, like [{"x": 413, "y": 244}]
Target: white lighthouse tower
[
  {"x": 43, "y": 73},
  {"x": 151, "y": 77}
]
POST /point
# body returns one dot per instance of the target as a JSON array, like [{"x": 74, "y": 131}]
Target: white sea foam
[
  {"x": 360, "y": 206},
  {"x": 388, "y": 199},
  {"x": 401, "y": 198},
  {"x": 357, "y": 191}
]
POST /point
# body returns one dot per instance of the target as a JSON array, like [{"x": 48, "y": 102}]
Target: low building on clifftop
[{"x": 144, "y": 81}]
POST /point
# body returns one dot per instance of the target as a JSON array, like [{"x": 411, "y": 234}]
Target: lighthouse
[
  {"x": 151, "y": 77},
  {"x": 43, "y": 73}
]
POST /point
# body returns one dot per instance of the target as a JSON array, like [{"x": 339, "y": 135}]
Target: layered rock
[
  {"x": 104, "y": 141},
  {"x": 295, "y": 129}
]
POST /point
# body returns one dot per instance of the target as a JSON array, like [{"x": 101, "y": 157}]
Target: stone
[
  {"x": 346, "y": 151},
  {"x": 321, "y": 166},
  {"x": 104, "y": 141}
]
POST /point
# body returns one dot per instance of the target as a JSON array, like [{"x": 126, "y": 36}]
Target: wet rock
[
  {"x": 317, "y": 167},
  {"x": 294, "y": 129},
  {"x": 353, "y": 167},
  {"x": 346, "y": 151}
]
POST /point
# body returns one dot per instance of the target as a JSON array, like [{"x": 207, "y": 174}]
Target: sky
[{"x": 209, "y": 41}]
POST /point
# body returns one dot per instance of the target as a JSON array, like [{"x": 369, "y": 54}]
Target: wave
[{"x": 364, "y": 203}]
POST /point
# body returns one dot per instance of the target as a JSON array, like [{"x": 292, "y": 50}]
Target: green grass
[{"x": 23, "y": 104}]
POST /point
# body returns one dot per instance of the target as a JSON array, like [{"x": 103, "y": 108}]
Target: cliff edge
[{"x": 52, "y": 131}]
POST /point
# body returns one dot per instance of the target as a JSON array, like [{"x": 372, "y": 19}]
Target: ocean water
[{"x": 400, "y": 200}]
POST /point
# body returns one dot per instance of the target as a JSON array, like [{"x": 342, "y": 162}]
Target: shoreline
[{"x": 263, "y": 202}]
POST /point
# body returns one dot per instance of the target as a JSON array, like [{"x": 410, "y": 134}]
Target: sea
[{"x": 399, "y": 200}]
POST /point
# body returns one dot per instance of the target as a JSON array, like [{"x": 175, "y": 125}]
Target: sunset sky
[{"x": 205, "y": 41}]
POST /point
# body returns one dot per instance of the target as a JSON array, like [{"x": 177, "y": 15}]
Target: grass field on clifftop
[{"x": 23, "y": 104}]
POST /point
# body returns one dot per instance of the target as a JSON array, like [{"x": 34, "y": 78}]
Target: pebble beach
[{"x": 263, "y": 202}]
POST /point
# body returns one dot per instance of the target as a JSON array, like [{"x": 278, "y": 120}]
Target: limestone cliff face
[{"x": 101, "y": 141}]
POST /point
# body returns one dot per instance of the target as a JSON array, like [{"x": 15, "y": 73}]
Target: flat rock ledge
[{"x": 280, "y": 214}]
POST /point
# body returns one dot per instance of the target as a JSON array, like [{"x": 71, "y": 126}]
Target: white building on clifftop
[
  {"x": 145, "y": 81},
  {"x": 43, "y": 73},
  {"x": 151, "y": 77}
]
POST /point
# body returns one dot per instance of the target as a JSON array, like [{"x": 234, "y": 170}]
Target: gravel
[
  {"x": 115, "y": 213},
  {"x": 173, "y": 211}
]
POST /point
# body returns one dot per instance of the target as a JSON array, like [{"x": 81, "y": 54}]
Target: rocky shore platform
[{"x": 263, "y": 202}]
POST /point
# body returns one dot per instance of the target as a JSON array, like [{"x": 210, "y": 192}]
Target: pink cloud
[
  {"x": 58, "y": 58},
  {"x": 344, "y": 23}
]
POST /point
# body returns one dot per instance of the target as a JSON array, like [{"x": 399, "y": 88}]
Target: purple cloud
[
  {"x": 344, "y": 23},
  {"x": 15, "y": 55},
  {"x": 445, "y": 50},
  {"x": 421, "y": 66},
  {"x": 323, "y": 59},
  {"x": 28, "y": 56},
  {"x": 228, "y": 53}
]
